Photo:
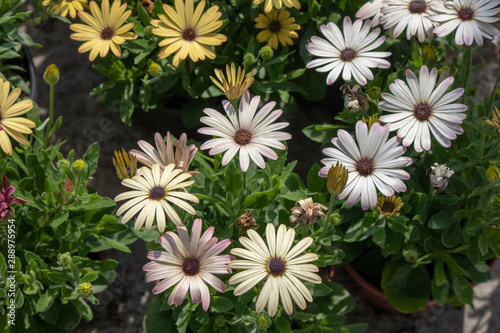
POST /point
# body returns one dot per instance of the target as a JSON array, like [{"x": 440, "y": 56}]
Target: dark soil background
[{"x": 124, "y": 303}]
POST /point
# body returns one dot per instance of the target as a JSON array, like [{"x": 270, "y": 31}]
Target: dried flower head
[
  {"x": 389, "y": 206},
  {"x": 495, "y": 122},
  {"x": 125, "y": 164},
  {"x": 6, "y": 200},
  {"x": 337, "y": 178},
  {"x": 306, "y": 212},
  {"x": 164, "y": 155},
  {"x": 235, "y": 84},
  {"x": 371, "y": 120},
  {"x": 439, "y": 175},
  {"x": 51, "y": 75},
  {"x": 353, "y": 101},
  {"x": 493, "y": 172},
  {"x": 246, "y": 222},
  {"x": 148, "y": 6}
]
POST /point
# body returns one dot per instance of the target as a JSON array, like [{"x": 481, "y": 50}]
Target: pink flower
[
  {"x": 189, "y": 264},
  {"x": 6, "y": 200}
]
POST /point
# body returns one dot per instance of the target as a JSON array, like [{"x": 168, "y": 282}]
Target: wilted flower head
[
  {"x": 125, "y": 164},
  {"x": 389, "y": 206},
  {"x": 439, "y": 175},
  {"x": 163, "y": 155},
  {"x": 246, "y": 222},
  {"x": 493, "y": 172},
  {"x": 306, "y": 212},
  {"x": 235, "y": 84},
  {"x": 6, "y": 199},
  {"x": 84, "y": 290},
  {"x": 337, "y": 178},
  {"x": 353, "y": 101},
  {"x": 495, "y": 122}
]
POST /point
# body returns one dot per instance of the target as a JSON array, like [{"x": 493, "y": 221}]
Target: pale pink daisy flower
[
  {"x": 152, "y": 195},
  {"x": 251, "y": 133},
  {"x": 349, "y": 52},
  {"x": 189, "y": 264},
  {"x": 374, "y": 163},
  {"x": 279, "y": 264},
  {"x": 469, "y": 19},
  {"x": 371, "y": 9},
  {"x": 412, "y": 15},
  {"x": 418, "y": 109}
]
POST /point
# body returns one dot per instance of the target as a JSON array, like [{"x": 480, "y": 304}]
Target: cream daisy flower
[
  {"x": 412, "y": 15},
  {"x": 188, "y": 32},
  {"x": 164, "y": 155},
  {"x": 235, "y": 84},
  {"x": 348, "y": 53},
  {"x": 417, "y": 107},
  {"x": 153, "y": 192},
  {"x": 189, "y": 264},
  {"x": 374, "y": 163},
  {"x": 469, "y": 19},
  {"x": 372, "y": 8},
  {"x": 268, "y": 6},
  {"x": 63, "y": 7},
  {"x": 104, "y": 29},
  {"x": 279, "y": 28},
  {"x": 250, "y": 133},
  {"x": 279, "y": 264},
  {"x": 10, "y": 124}
]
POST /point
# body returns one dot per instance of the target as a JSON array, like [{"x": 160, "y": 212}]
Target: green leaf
[
  {"x": 83, "y": 308},
  {"x": 262, "y": 199},
  {"x": 46, "y": 300},
  {"x": 114, "y": 243},
  {"x": 321, "y": 133},
  {"x": 414, "y": 294},
  {"x": 283, "y": 325},
  {"x": 183, "y": 320},
  {"x": 60, "y": 217},
  {"x": 58, "y": 277},
  {"x": 315, "y": 182},
  {"x": 156, "y": 321},
  {"x": 462, "y": 289},
  {"x": 442, "y": 220},
  {"x": 91, "y": 157},
  {"x": 220, "y": 304},
  {"x": 319, "y": 289}
]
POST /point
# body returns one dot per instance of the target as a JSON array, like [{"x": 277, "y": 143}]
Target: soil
[{"x": 123, "y": 304}]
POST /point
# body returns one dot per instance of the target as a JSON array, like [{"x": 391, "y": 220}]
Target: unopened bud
[
  {"x": 266, "y": 53},
  {"x": 79, "y": 168},
  {"x": 429, "y": 51},
  {"x": 249, "y": 60},
  {"x": 51, "y": 75},
  {"x": 337, "y": 178},
  {"x": 493, "y": 172},
  {"x": 85, "y": 290},
  {"x": 154, "y": 69},
  {"x": 374, "y": 92}
]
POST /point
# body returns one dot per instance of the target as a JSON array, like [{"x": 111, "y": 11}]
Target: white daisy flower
[
  {"x": 412, "y": 15},
  {"x": 152, "y": 195},
  {"x": 253, "y": 134},
  {"x": 374, "y": 165},
  {"x": 469, "y": 19},
  {"x": 349, "y": 52},
  {"x": 279, "y": 264},
  {"x": 189, "y": 264},
  {"x": 417, "y": 108},
  {"x": 372, "y": 8}
]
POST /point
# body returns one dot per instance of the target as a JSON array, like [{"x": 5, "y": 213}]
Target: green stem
[
  {"x": 51, "y": 115},
  {"x": 328, "y": 215},
  {"x": 490, "y": 104},
  {"x": 468, "y": 59}
]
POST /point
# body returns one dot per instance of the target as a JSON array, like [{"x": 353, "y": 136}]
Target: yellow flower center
[
  {"x": 274, "y": 26},
  {"x": 107, "y": 33},
  {"x": 189, "y": 35},
  {"x": 242, "y": 137}
]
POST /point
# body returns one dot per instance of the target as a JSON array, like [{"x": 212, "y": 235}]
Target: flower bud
[
  {"x": 64, "y": 259},
  {"x": 51, "y": 75},
  {"x": 62, "y": 163},
  {"x": 266, "y": 53},
  {"x": 429, "y": 51},
  {"x": 263, "y": 321},
  {"x": 220, "y": 321},
  {"x": 154, "y": 69},
  {"x": 336, "y": 179},
  {"x": 495, "y": 119},
  {"x": 84, "y": 290},
  {"x": 493, "y": 172},
  {"x": 410, "y": 254},
  {"x": 249, "y": 60},
  {"x": 374, "y": 92},
  {"x": 79, "y": 168},
  {"x": 371, "y": 120}
]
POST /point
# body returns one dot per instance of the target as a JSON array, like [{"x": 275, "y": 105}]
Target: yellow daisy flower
[
  {"x": 9, "y": 123},
  {"x": 104, "y": 29},
  {"x": 188, "y": 32},
  {"x": 279, "y": 27},
  {"x": 235, "y": 84},
  {"x": 277, "y": 4},
  {"x": 389, "y": 206},
  {"x": 63, "y": 7}
]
